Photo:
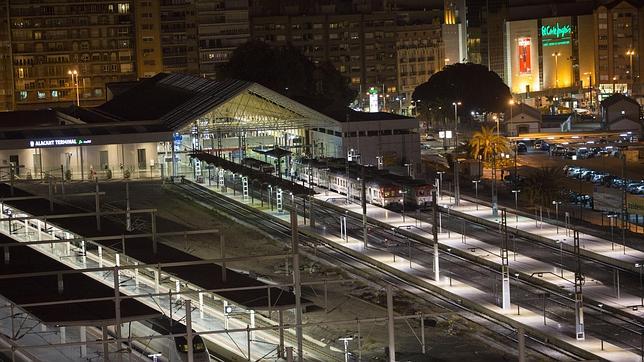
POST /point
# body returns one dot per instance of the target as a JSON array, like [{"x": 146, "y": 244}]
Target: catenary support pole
[
  {"x": 435, "y": 236},
  {"x": 505, "y": 268},
  {"x": 128, "y": 217},
  {"x": 189, "y": 330},
  {"x": 390, "y": 324},
  {"x": 297, "y": 285}
]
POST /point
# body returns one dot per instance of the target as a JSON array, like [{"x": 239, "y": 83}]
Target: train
[
  {"x": 381, "y": 187},
  {"x": 175, "y": 349},
  {"x": 258, "y": 165}
]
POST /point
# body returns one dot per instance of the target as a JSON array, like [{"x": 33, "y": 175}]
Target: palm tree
[
  {"x": 543, "y": 185},
  {"x": 486, "y": 143}
]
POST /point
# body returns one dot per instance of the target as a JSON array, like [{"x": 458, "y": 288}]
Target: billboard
[
  {"x": 523, "y": 51},
  {"x": 556, "y": 34}
]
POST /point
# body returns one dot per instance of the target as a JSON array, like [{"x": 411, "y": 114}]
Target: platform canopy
[{"x": 179, "y": 100}]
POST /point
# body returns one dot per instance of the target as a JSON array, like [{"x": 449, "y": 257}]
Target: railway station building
[{"x": 150, "y": 128}]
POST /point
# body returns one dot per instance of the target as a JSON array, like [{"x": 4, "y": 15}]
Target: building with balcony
[{"x": 49, "y": 40}]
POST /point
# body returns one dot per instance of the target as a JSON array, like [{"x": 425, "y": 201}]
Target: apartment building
[
  {"x": 618, "y": 46},
  {"x": 63, "y": 51},
  {"x": 179, "y": 39},
  {"x": 222, "y": 26},
  {"x": 419, "y": 54}
]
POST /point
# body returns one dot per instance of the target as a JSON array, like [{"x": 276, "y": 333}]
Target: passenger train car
[
  {"x": 382, "y": 188},
  {"x": 258, "y": 165},
  {"x": 173, "y": 349}
]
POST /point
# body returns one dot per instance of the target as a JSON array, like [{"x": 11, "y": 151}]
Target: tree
[
  {"x": 287, "y": 71},
  {"x": 474, "y": 85},
  {"x": 486, "y": 143},
  {"x": 544, "y": 185}
]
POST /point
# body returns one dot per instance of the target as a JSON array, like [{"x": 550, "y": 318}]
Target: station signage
[
  {"x": 557, "y": 34},
  {"x": 58, "y": 142}
]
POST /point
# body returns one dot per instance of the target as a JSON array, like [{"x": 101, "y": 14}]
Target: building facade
[
  {"x": 50, "y": 40},
  {"x": 618, "y": 44},
  {"x": 222, "y": 26},
  {"x": 419, "y": 54}
]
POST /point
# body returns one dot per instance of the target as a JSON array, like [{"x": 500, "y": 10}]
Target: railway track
[
  {"x": 368, "y": 272},
  {"x": 610, "y": 325}
]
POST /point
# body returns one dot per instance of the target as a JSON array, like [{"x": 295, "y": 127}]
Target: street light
[
  {"x": 556, "y": 55},
  {"x": 640, "y": 266},
  {"x": 516, "y": 204},
  {"x": 476, "y": 191},
  {"x": 403, "y": 193},
  {"x": 590, "y": 87},
  {"x": 457, "y": 191},
  {"x": 630, "y": 54},
  {"x": 511, "y": 103},
  {"x": 612, "y": 239},
  {"x": 557, "y": 203},
  {"x": 74, "y": 74},
  {"x": 496, "y": 119}
]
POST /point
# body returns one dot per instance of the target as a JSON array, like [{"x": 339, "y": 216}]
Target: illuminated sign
[
  {"x": 552, "y": 35},
  {"x": 59, "y": 142},
  {"x": 523, "y": 49},
  {"x": 373, "y": 100}
]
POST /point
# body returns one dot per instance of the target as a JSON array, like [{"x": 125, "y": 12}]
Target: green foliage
[
  {"x": 543, "y": 185},
  {"x": 126, "y": 174},
  {"x": 287, "y": 71},
  {"x": 474, "y": 85},
  {"x": 486, "y": 143},
  {"x": 68, "y": 175},
  {"x": 108, "y": 174}
]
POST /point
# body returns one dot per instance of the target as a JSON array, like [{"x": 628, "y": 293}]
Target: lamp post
[
  {"x": 457, "y": 191},
  {"x": 557, "y": 203},
  {"x": 516, "y": 205},
  {"x": 556, "y": 55},
  {"x": 511, "y": 103},
  {"x": 476, "y": 191},
  {"x": 496, "y": 119},
  {"x": 403, "y": 203},
  {"x": 440, "y": 183},
  {"x": 612, "y": 238},
  {"x": 590, "y": 88},
  {"x": 74, "y": 74},
  {"x": 630, "y": 54},
  {"x": 640, "y": 266}
]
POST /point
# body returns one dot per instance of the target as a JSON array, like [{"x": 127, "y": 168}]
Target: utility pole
[
  {"x": 505, "y": 268},
  {"x": 435, "y": 235},
  {"x": 579, "y": 298},
  {"x": 365, "y": 237},
  {"x": 297, "y": 285}
]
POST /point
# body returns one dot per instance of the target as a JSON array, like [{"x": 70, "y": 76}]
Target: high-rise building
[
  {"x": 419, "y": 53},
  {"x": 619, "y": 37},
  {"x": 454, "y": 31},
  {"x": 147, "y": 20},
  {"x": 179, "y": 45},
  {"x": 6, "y": 67},
  {"x": 223, "y": 26},
  {"x": 67, "y": 50},
  {"x": 361, "y": 45}
]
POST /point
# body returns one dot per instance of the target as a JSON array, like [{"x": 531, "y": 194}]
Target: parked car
[
  {"x": 538, "y": 144},
  {"x": 522, "y": 148}
]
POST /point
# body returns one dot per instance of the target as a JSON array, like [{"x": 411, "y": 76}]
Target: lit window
[
  {"x": 22, "y": 95},
  {"x": 124, "y": 8},
  {"x": 54, "y": 94},
  {"x": 42, "y": 95}
]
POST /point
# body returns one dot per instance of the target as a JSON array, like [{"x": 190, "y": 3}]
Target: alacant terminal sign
[
  {"x": 59, "y": 142},
  {"x": 556, "y": 34}
]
